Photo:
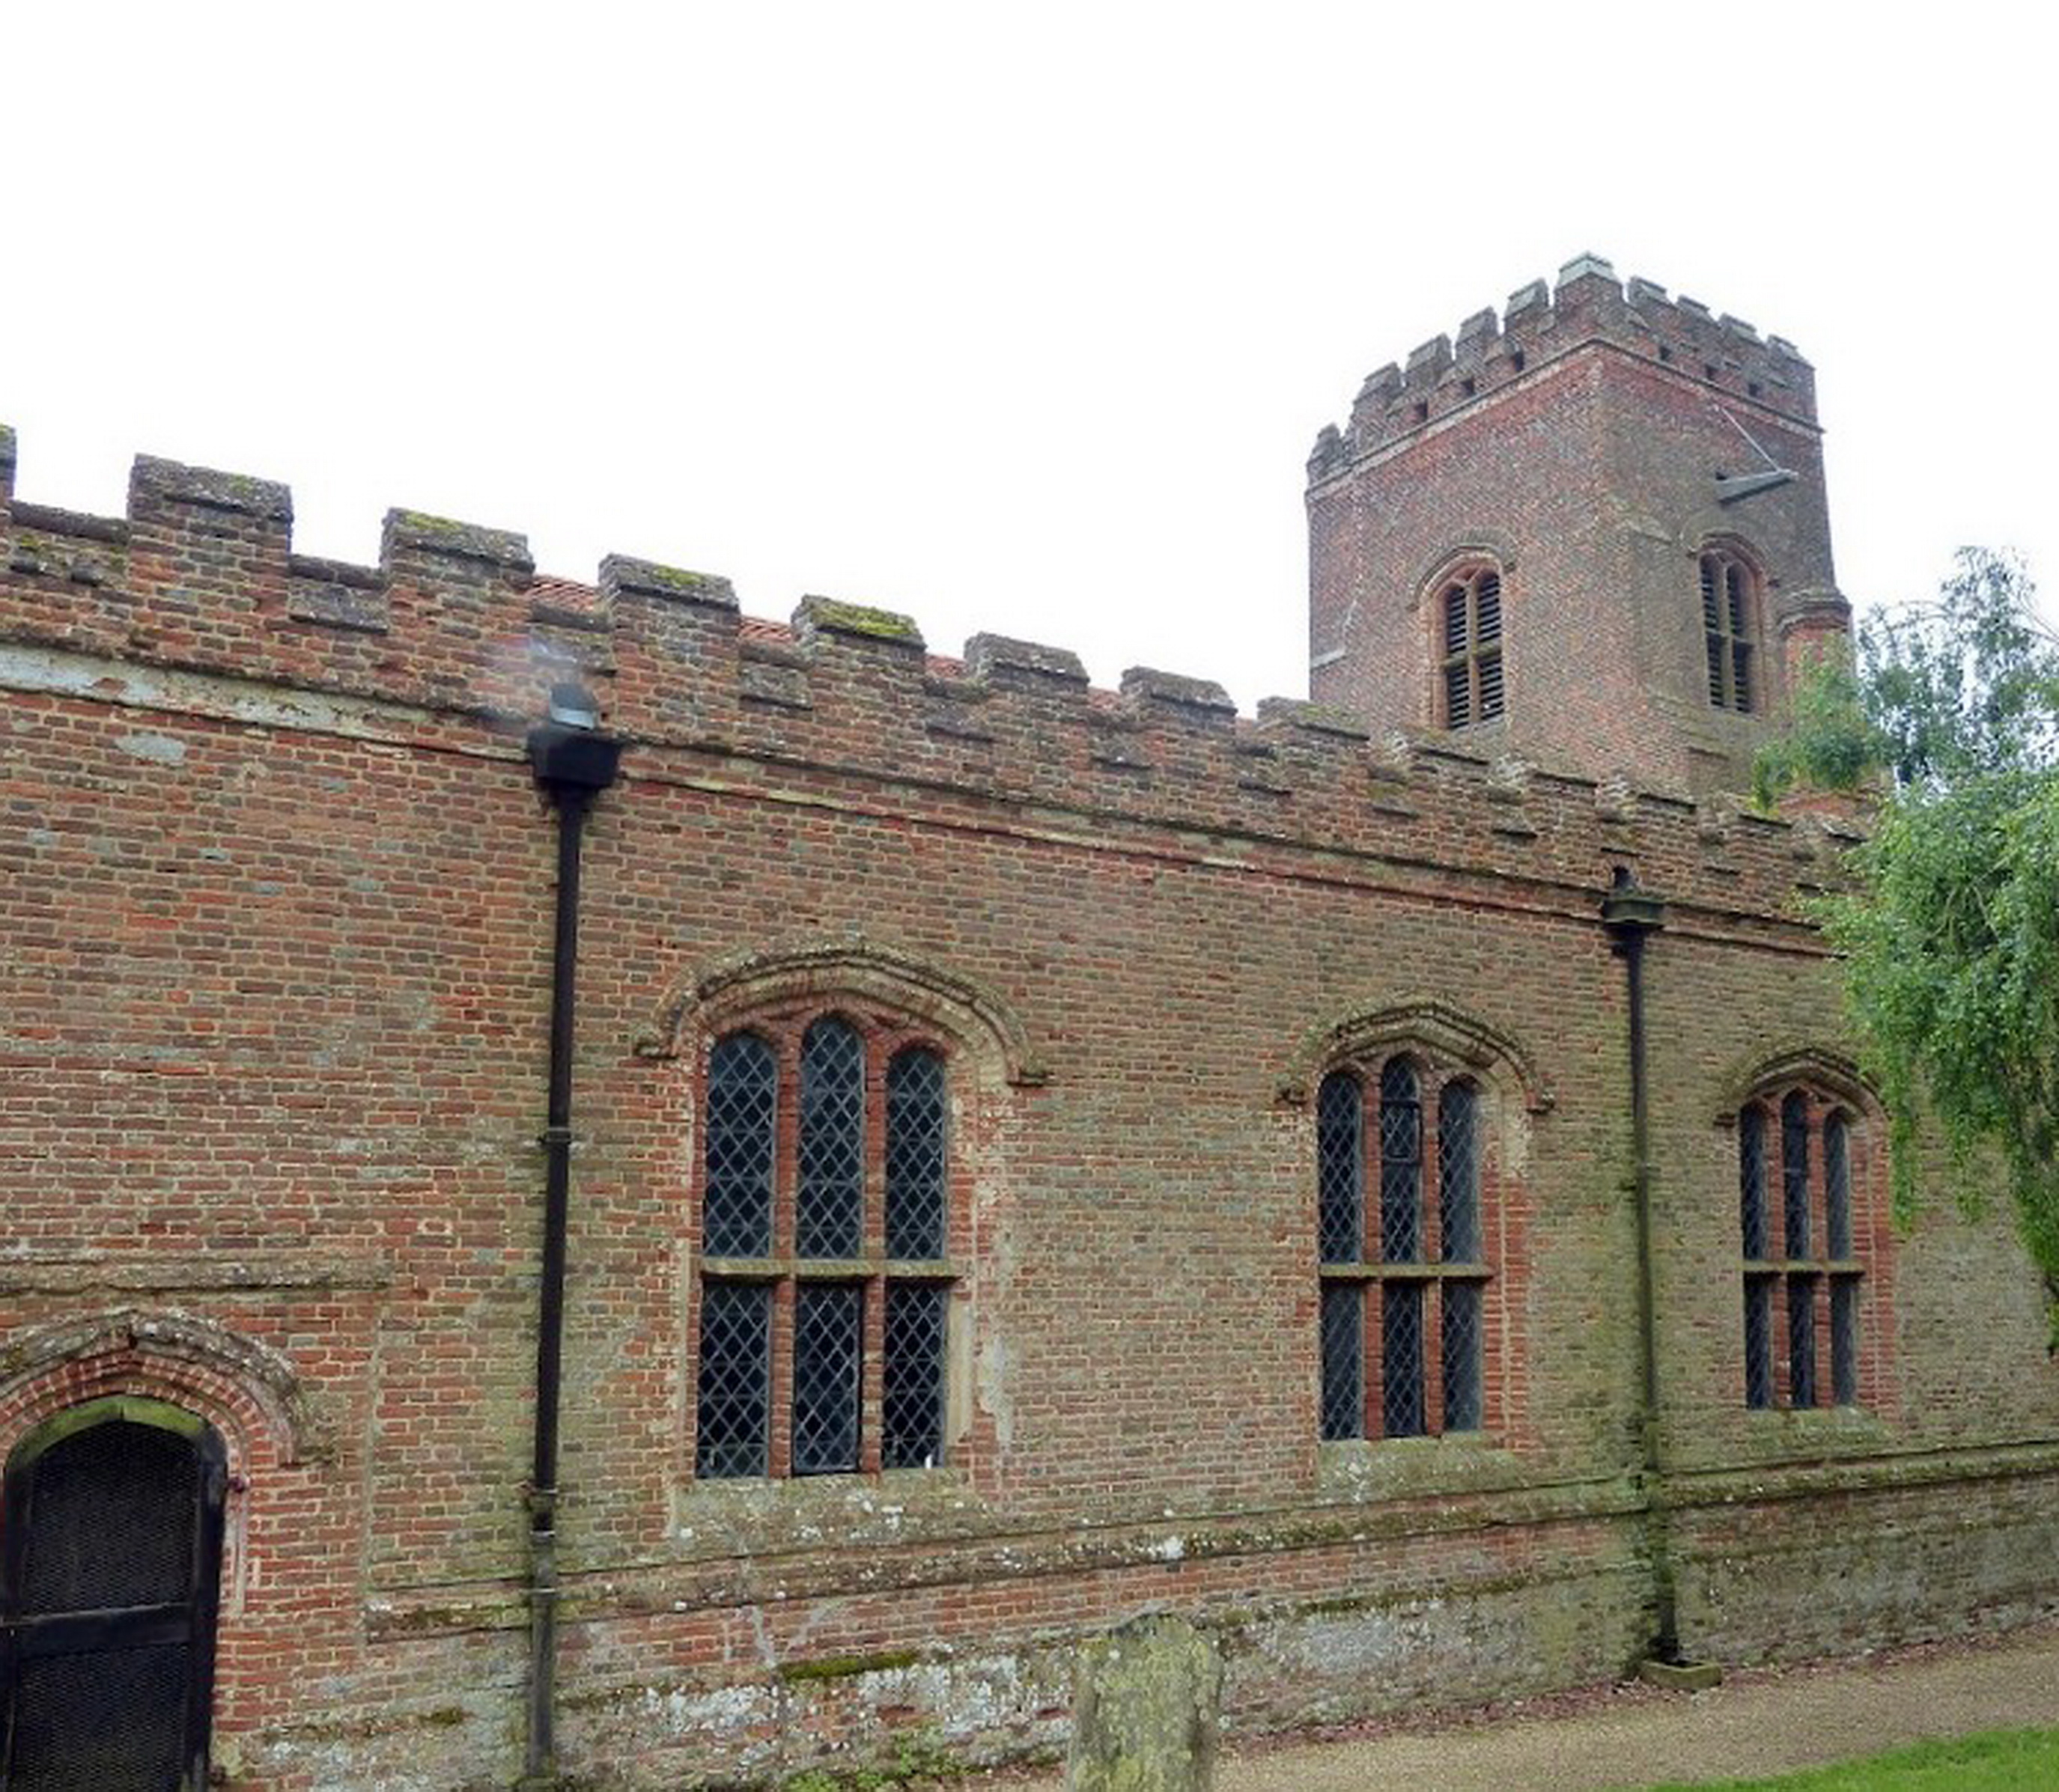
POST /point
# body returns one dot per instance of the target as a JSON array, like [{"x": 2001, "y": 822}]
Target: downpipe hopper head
[
  {"x": 568, "y": 754},
  {"x": 1630, "y": 911}
]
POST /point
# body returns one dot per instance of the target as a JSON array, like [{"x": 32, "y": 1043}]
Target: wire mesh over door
[{"x": 108, "y": 1595}]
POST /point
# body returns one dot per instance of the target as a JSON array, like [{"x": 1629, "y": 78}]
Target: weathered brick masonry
[
  {"x": 1577, "y": 441},
  {"x": 277, "y": 912}
]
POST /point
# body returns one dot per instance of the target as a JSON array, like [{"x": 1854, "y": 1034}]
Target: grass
[{"x": 1994, "y": 1761}]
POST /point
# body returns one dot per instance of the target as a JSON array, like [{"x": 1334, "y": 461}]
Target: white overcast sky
[{"x": 1017, "y": 318}]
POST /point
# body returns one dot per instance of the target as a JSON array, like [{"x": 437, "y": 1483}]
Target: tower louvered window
[
  {"x": 1474, "y": 687},
  {"x": 1727, "y": 610},
  {"x": 826, "y": 1279},
  {"x": 1804, "y": 1278},
  {"x": 1403, "y": 1319}
]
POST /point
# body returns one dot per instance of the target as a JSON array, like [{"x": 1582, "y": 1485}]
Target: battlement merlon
[
  {"x": 1539, "y": 325},
  {"x": 195, "y": 600}
]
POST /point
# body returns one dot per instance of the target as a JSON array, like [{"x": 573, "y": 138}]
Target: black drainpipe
[
  {"x": 1631, "y": 914},
  {"x": 572, "y": 763}
]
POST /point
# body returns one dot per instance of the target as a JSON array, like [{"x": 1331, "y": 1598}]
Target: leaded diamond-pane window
[
  {"x": 1458, "y": 1174},
  {"x": 1795, "y": 1175},
  {"x": 1343, "y": 1348},
  {"x": 1811, "y": 1276},
  {"x": 1837, "y": 1188},
  {"x": 1758, "y": 1340},
  {"x": 1401, "y": 1358},
  {"x": 1401, "y": 1164},
  {"x": 736, "y": 1378},
  {"x": 912, "y": 1402},
  {"x": 1800, "y": 1340},
  {"x": 915, "y": 1155},
  {"x": 1403, "y": 1337},
  {"x": 742, "y": 1099},
  {"x": 1462, "y": 1302},
  {"x": 830, "y": 1208},
  {"x": 1845, "y": 1339},
  {"x": 829, "y": 1348},
  {"x": 1340, "y": 1169},
  {"x": 1751, "y": 1181},
  {"x": 827, "y": 1160}
]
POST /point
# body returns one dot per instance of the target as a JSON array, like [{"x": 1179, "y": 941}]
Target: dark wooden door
[{"x": 108, "y": 1582}]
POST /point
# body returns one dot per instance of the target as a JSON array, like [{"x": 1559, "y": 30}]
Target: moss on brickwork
[
  {"x": 422, "y": 522},
  {"x": 247, "y": 488},
  {"x": 386, "y": 1723},
  {"x": 857, "y": 619},
  {"x": 918, "y": 1759},
  {"x": 842, "y": 1667},
  {"x": 675, "y": 579}
]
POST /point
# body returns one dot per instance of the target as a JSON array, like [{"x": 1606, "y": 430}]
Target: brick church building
[{"x": 603, "y": 1192}]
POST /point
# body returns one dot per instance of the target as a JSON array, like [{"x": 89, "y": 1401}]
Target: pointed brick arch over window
[
  {"x": 1473, "y": 680},
  {"x": 1419, "y": 1152},
  {"x": 1730, "y": 605},
  {"x": 836, "y": 1086},
  {"x": 1813, "y": 1235},
  {"x": 826, "y": 966}
]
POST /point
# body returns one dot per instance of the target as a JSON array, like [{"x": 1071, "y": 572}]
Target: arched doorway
[{"x": 108, "y": 1586}]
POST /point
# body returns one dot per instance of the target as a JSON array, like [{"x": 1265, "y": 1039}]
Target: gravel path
[
  {"x": 1753, "y": 1724},
  {"x": 1761, "y": 1721}
]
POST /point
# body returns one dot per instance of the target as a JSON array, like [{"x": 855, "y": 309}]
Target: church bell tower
[{"x": 1590, "y": 533}]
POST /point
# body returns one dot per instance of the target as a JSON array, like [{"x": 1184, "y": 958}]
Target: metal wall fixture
[{"x": 572, "y": 762}]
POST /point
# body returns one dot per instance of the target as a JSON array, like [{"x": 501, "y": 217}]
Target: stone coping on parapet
[
  {"x": 1540, "y": 327},
  {"x": 197, "y": 585}
]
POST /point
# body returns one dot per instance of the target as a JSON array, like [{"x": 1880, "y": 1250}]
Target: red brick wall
[
  {"x": 276, "y": 987},
  {"x": 1579, "y": 449}
]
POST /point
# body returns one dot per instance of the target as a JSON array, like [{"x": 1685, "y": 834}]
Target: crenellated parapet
[
  {"x": 1540, "y": 324},
  {"x": 196, "y": 589},
  {"x": 200, "y": 573}
]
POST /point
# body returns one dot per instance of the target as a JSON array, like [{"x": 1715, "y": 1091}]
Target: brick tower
[{"x": 1592, "y": 534}]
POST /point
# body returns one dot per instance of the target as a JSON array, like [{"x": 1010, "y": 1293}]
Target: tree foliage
[{"x": 1951, "y": 933}]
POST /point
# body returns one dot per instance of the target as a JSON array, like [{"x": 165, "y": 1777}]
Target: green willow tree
[{"x": 1950, "y": 710}]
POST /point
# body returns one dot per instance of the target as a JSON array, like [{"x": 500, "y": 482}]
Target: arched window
[
  {"x": 1730, "y": 606},
  {"x": 825, "y": 1274},
  {"x": 1804, "y": 1280},
  {"x": 1469, "y": 619},
  {"x": 1404, "y": 1320}
]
